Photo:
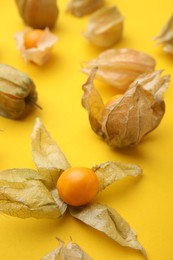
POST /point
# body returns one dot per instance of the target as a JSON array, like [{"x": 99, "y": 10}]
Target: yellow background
[{"x": 146, "y": 202}]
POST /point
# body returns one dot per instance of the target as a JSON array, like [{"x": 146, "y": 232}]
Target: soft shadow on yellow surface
[{"x": 146, "y": 201}]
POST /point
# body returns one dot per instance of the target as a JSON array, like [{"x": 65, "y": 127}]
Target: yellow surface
[{"x": 146, "y": 203}]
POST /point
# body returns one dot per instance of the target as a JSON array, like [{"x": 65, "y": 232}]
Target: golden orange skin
[
  {"x": 32, "y": 38},
  {"x": 77, "y": 186}
]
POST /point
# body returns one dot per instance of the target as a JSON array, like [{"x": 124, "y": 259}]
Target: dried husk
[
  {"x": 80, "y": 8},
  {"x": 17, "y": 92},
  {"x": 110, "y": 172},
  {"x": 126, "y": 120},
  {"x": 24, "y": 194},
  {"x": 165, "y": 37},
  {"x": 120, "y": 67},
  {"x": 55, "y": 254},
  {"x": 38, "y": 14},
  {"x": 40, "y": 54},
  {"x": 48, "y": 157},
  {"x": 105, "y": 27},
  {"x": 28, "y": 193},
  {"x": 68, "y": 252},
  {"x": 108, "y": 221}
]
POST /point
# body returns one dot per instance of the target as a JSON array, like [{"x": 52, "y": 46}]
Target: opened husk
[
  {"x": 126, "y": 120},
  {"x": 80, "y": 8},
  {"x": 39, "y": 13},
  {"x": 105, "y": 27},
  {"x": 120, "y": 67},
  {"x": 40, "y": 54},
  {"x": 68, "y": 252},
  {"x": 17, "y": 92},
  {"x": 29, "y": 193},
  {"x": 165, "y": 37}
]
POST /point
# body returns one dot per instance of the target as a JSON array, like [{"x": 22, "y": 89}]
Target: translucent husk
[
  {"x": 126, "y": 120},
  {"x": 40, "y": 54},
  {"x": 105, "y": 27},
  {"x": 68, "y": 252},
  {"x": 165, "y": 37},
  {"x": 108, "y": 221},
  {"x": 17, "y": 92},
  {"x": 120, "y": 67},
  {"x": 80, "y": 8},
  {"x": 39, "y": 13},
  {"x": 29, "y": 193}
]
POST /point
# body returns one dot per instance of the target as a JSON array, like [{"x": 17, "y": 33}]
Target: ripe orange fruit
[
  {"x": 77, "y": 186},
  {"x": 32, "y": 38}
]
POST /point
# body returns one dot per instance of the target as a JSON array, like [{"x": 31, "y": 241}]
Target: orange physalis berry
[
  {"x": 32, "y": 38},
  {"x": 77, "y": 186}
]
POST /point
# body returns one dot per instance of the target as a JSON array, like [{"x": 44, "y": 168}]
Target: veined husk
[
  {"x": 28, "y": 193},
  {"x": 39, "y": 55},
  {"x": 126, "y": 120},
  {"x": 17, "y": 92},
  {"x": 80, "y": 8},
  {"x": 120, "y": 67},
  {"x": 165, "y": 36},
  {"x": 38, "y": 13},
  {"x": 71, "y": 251},
  {"x": 105, "y": 27}
]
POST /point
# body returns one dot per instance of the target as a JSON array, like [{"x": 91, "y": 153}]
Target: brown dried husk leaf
[
  {"x": 24, "y": 194},
  {"x": 71, "y": 251},
  {"x": 165, "y": 36},
  {"x": 108, "y": 221},
  {"x": 80, "y": 8},
  {"x": 105, "y": 27},
  {"x": 110, "y": 172},
  {"x": 17, "y": 92},
  {"x": 38, "y": 14},
  {"x": 120, "y": 67},
  {"x": 93, "y": 103},
  {"x": 126, "y": 120}
]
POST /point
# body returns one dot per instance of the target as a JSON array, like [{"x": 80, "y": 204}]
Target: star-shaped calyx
[{"x": 33, "y": 193}]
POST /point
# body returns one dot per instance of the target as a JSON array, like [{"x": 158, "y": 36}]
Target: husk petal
[
  {"x": 55, "y": 254},
  {"x": 92, "y": 102},
  {"x": 120, "y": 67},
  {"x": 80, "y": 8},
  {"x": 23, "y": 194},
  {"x": 165, "y": 36},
  {"x": 105, "y": 27},
  {"x": 135, "y": 115},
  {"x": 110, "y": 172},
  {"x": 47, "y": 156},
  {"x": 71, "y": 251},
  {"x": 108, "y": 221}
]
